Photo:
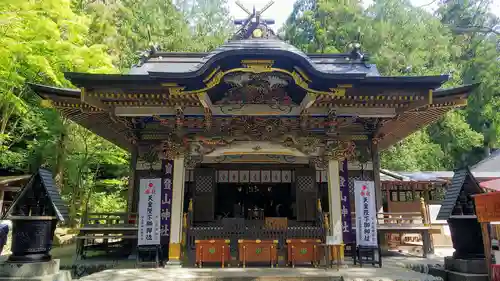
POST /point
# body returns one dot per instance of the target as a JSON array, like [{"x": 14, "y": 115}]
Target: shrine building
[{"x": 255, "y": 134}]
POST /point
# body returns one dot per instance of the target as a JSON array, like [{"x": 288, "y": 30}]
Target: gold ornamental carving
[
  {"x": 307, "y": 145},
  {"x": 256, "y": 66},
  {"x": 191, "y": 161},
  {"x": 172, "y": 149},
  {"x": 339, "y": 150}
]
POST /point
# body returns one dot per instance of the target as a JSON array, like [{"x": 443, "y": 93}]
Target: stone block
[
  {"x": 61, "y": 276},
  {"x": 475, "y": 266},
  {"x": 459, "y": 276},
  {"x": 37, "y": 271},
  {"x": 25, "y": 270},
  {"x": 438, "y": 272}
]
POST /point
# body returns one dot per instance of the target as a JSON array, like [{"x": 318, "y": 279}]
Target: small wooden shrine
[
  {"x": 469, "y": 261},
  {"x": 35, "y": 213},
  {"x": 458, "y": 209},
  {"x": 245, "y": 128}
]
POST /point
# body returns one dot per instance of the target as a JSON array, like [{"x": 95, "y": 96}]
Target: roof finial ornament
[
  {"x": 146, "y": 54},
  {"x": 253, "y": 26},
  {"x": 356, "y": 53}
]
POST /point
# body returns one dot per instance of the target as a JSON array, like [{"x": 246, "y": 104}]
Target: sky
[{"x": 282, "y": 8}]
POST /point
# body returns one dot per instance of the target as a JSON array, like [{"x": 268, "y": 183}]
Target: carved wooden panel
[
  {"x": 266, "y": 176},
  {"x": 306, "y": 194},
  {"x": 204, "y": 194}
]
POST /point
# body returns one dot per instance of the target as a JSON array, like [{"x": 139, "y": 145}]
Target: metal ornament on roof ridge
[
  {"x": 254, "y": 29},
  {"x": 146, "y": 54}
]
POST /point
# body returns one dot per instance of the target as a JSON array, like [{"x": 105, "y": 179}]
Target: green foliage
[
  {"x": 406, "y": 40},
  {"x": 130, "y": 26},
  {"x": 472, "y": 25},
  {"x": 415, "y": 153},
  {"x": 456, "y": 139},
  {"x": 40, "y": 40},
  {"x": 43, "y": 39},
  {"x": 323, "y": 26},
  {"x": 209, "y": 20}
]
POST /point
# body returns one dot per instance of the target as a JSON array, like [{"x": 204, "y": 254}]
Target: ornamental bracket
[{"x": 338, "y": 150}]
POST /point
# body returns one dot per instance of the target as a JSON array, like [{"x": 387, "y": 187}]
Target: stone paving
[{"x": 392, "y": 270}]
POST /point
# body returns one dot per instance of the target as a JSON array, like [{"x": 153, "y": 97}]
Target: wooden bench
[
  {"x": 258, "y": 251},
  {"x": 303, "y": 251},
  {"x": 213, "y": 251},
  {"x": 98, "y": 229},
  {"x": 109, "y": 219},
  {"x": 91, "y": 242}
]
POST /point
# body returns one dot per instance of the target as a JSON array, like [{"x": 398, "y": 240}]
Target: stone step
[
  {"x": 64, "y": 275},
  {"x": 457, "y": 276},
  {"x": 476, "y": 266},
  {"x": 27, "y": 270}
]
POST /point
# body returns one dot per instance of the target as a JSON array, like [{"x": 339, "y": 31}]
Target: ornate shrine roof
[
  {"x": 163, "y": 63},
  {"x": 255, "y": 85}
]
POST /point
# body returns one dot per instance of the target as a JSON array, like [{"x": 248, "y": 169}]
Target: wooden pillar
[
  {"x": 376, "y": 176},
  {"x": 176, "y": 221},
  {"x": 131, "y": 180},
  {"x": 334, "y": 203},
  {"x": 413, "y": 194},
  {"x": 2, "y": 192},
  {"x": 388, "y": 188},
  {"x": 487, "y": 246}
]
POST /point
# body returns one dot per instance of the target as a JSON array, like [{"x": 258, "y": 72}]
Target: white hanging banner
[
  {"x": 149, "y": 212},
  {"x": 366, "y": 215}
]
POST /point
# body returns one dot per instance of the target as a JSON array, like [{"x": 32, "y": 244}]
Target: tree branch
[
  {"x": 480, "y": 29},
  {"x": 428, "y": 4}
]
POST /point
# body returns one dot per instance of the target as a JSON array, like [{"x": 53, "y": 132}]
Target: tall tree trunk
[{"x": 60, "y": 157}]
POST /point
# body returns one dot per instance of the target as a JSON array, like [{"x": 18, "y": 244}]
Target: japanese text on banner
[
  {"x": 366, "y": 216},
  {"x": 149, "y": 212},
  {"x": 345, "y": 203},
  {"x": 166, "y": 199}
]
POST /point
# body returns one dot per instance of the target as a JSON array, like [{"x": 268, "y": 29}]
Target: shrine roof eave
[
  {"x": 68, "y": 103},
  {"x": 442, "y": 93},
  {"x": 61, "y": 92},
  {"x": 408, "y": 122},
  {"x": 116, "y": 130},
  {"x": 89, "y": 80}
]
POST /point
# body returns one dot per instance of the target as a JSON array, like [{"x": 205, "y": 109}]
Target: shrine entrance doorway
[{"x": 255, "y": 201}]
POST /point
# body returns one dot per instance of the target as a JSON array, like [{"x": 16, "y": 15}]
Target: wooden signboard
[
  {"x": 487, "y": 207},
  {"x": 487, "y": 210}
]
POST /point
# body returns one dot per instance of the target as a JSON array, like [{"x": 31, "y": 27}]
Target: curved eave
[
  {"x": 68, "y": 103},
  {"x": 128, "y": 81},
  {"x": 408, "y": 122},
  {"x": 424, "y": 82},
  {"x": 55, "y": 91},
  {"x": 450, "y": 92},
  {"x": 88, "y": 80}
]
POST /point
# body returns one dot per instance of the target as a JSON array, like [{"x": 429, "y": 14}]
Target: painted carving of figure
[{"x": 257, "y": 89}]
